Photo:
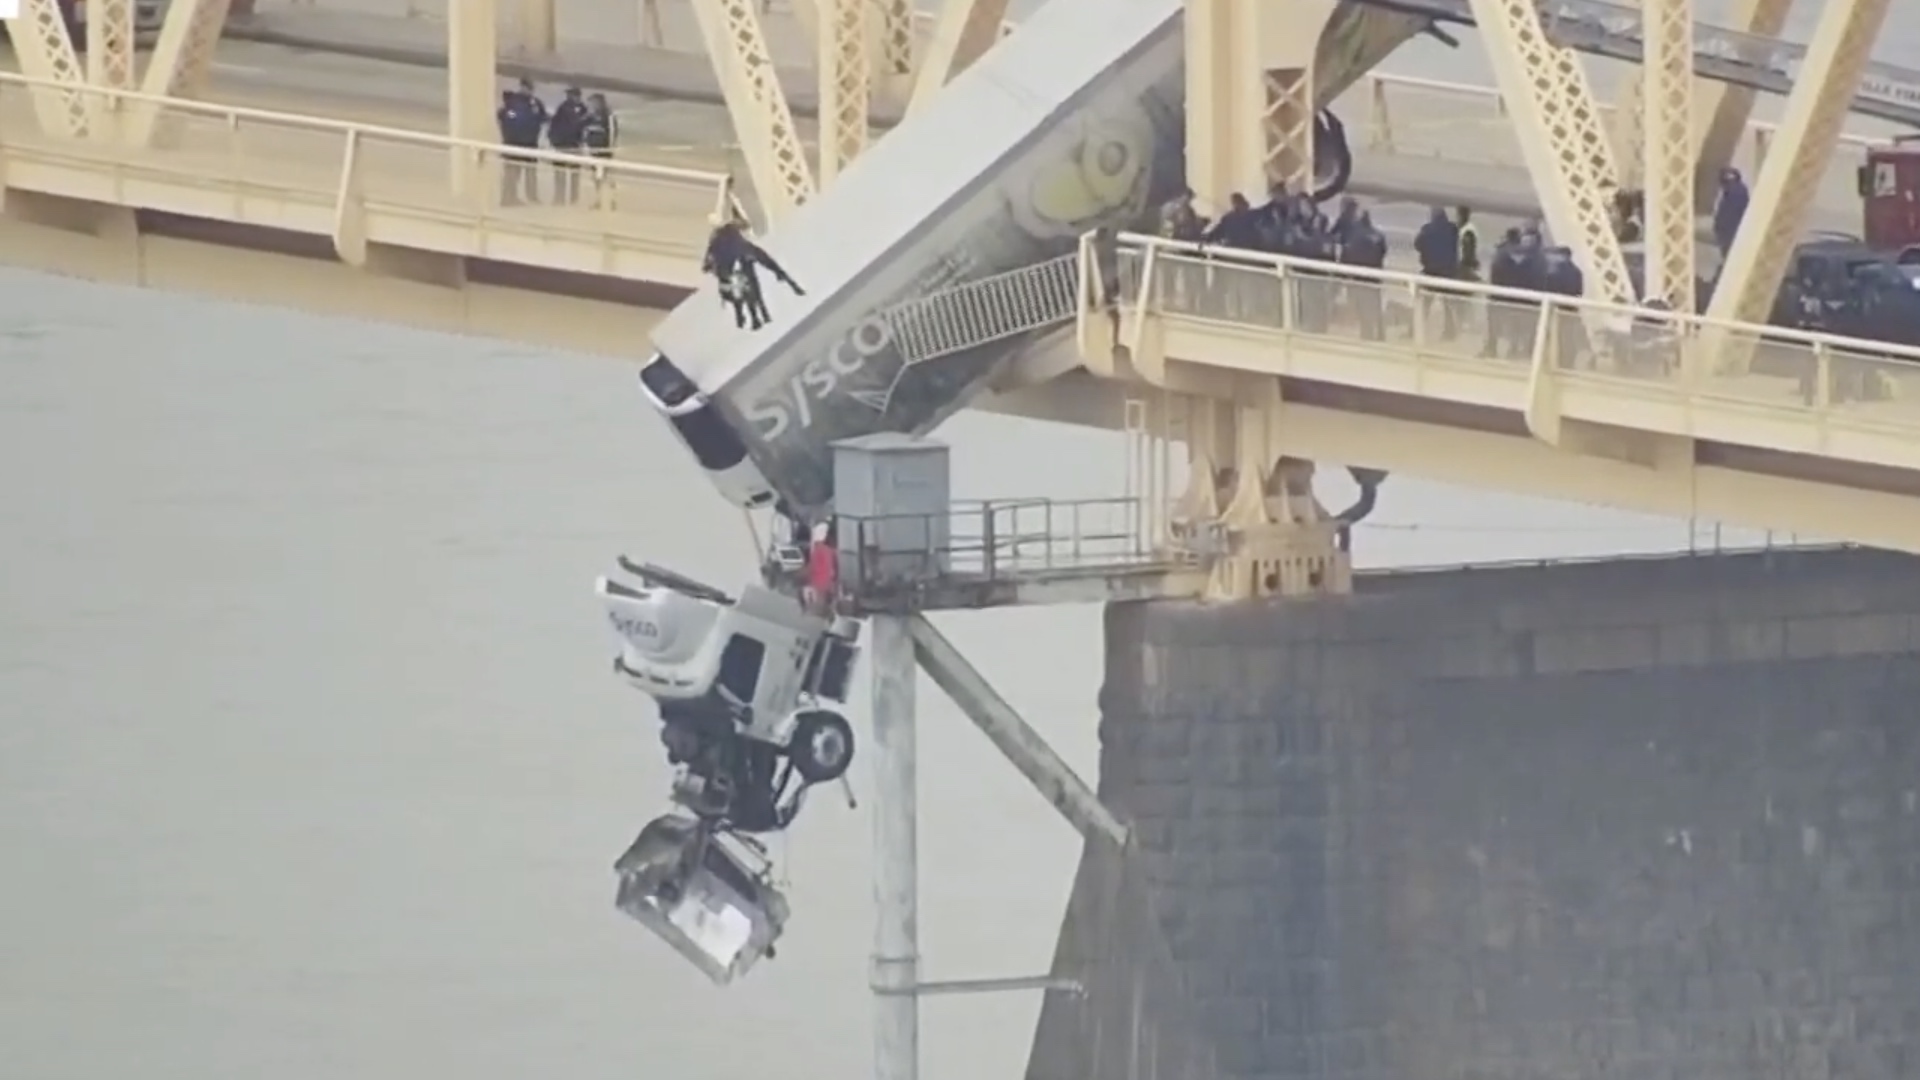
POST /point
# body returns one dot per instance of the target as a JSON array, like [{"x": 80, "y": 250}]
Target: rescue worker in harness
[{"x": 733, "y": 260}]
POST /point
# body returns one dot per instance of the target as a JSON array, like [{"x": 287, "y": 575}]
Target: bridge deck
[{"x": 1750, "y": 425}]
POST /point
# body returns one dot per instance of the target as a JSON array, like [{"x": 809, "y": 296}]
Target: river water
[{"x": 310, "y": 764}]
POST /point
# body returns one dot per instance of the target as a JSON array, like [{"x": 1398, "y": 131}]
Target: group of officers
[
  {"x": 1447, "y": 247},
  {"x": 583, "y": 125}
]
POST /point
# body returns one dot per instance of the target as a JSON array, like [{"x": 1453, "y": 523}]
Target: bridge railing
[
  {"x": 1466, "y": 122},
  {"x": 257, "y": 151},
  {"x": 993, "y": 540},
  {"x": 1422, "y": 325}
]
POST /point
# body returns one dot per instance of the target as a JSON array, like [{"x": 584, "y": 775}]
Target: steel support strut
[
  {"x": 538, "y": 32},
  {"x": 45, "y": 52},
  {"x": 110, "y": 44},
  {"x": 1667, "y": 98},
  {"x": 758, "y": 106},
  {"x": 181, "y": 64},
  {"x": 1809, "y": 130},
  {"x": 845, "y": 84},
  {"x": 1724, "y": 109},
  {"x": 1250, "y": 94},
  {"x": 893, "y": 33},
  {"x": 962, "y": 32},
  {"x": 1016, "y": 740},
  {"x": 896, "y": 858},
  {"x": 1561, "y": 136},
  {"x": 473, "y": 49}
]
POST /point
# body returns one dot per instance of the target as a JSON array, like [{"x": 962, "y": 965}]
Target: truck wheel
[{"x": 822, "y": 746}]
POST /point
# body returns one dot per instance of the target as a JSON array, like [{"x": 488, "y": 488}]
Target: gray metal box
[{"x": 894, "y": 498}]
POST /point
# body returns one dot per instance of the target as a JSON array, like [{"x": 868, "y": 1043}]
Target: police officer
[
  {"x": 1729, "y": 209},
  {"x": 1366, "y": 247},
  {"x": 734, "y": 261},
  {"x": 1180, "y": 221},
  {"x": 1437, "y": 245},
  {"x": 522, "y": 117},
  {"x": 599, "y": 134},
  {"x": 1507, "y": 316},
  {"x": 1563, "y": 278},
  {"x": 566, "y": 131}
]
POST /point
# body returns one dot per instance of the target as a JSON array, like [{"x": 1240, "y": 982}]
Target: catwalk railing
[
  {"x": 991, "y": 540},
  {"x": 252, "y": 153},
  {"x": 1170, "y": 304}
]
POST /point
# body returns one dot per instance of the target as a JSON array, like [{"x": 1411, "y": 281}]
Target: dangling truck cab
[{"x": 1889, "y": 185}]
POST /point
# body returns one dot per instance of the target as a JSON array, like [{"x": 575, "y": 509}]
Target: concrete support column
[
  {"x": 538, "y": 33},
  {"x": 473, "y": 48},
  {"x": 896, "y": 858}
]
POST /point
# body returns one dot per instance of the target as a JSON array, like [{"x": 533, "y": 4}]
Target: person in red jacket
[{"x": 823, "y": 571}]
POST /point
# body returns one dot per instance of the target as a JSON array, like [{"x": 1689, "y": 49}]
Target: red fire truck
[{"x": 1890, "y": 195}]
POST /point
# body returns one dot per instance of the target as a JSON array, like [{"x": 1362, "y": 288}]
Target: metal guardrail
[
  {"x": 985, "y": 311},
  {"x": 259, "y": 152},
  {"x": 993, "y": 541},
  {"x": 1467, "y": 326},
  {"x": 1419, "y": 133}
]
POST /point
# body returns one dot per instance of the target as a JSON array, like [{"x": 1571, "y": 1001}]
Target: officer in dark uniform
[
  {"x": 522, "y": 118},
  {"x": 1563, "y": 278},
  {"x": 1437, "y": 245},
  {"x": 599, "y": 134},
  {"x": 1366, "y": 247},
  {"x": 734, "y": 261},
  {"x": 565, "y": 133},
  {"x": 1506, "y": 316}
]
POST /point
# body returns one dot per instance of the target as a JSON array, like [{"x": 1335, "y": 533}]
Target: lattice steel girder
[
  {"x": 473, "y": 51},
  {"x": 1667, "y": 100},
  {"x": 1561, "y": 137},
  {"x": 1250, "y": 91},
  {"x": 1723, "y": 110},
  {"x": 755, "y": 101},
  {"x": 1627, "y": 133},
  {"x": 845, "y": 84},
  {"x": 962, "y": 32},
  {"x": 45, "y": 52},
  {"x": 181, "y": 64},
  {"x": 110, "y": 44},
  {"x": 893, "y": 36},
  {"x": 1809, "y": 130}
]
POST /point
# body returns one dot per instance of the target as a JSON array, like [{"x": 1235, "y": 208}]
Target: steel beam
[
  {"x": 1723, "y": 109},
  {"x": 45, "y": 52},
  {"x": 538, "y": 33},
  {"x": 1561, "y": 137},
  {"x": 1250, "y": 94},
  {"x": 1809, "y": 130},
  {"x": 181, "y": 63},
  {"x": 846, "y": 89},
  {"x": 473, "y": 51},
  {"x": 962, "y": 32},
  {"x": 1667, "y": 97},
  {"x": 758, "y": 106},
  {"x": 896, "y": 859},
  {"x": 110, "y": 61},
  {"x": 893, "y": 33},
  {"x": 1012, "y": 736}
]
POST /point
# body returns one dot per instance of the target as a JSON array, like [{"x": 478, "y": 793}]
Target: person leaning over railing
[{"x": 599, "y": 135}]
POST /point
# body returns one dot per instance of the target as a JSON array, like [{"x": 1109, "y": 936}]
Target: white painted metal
[
  {"x": 110, "y": 59},
  {"x": 181, "y": 64},
  {"x": 1783, "y": 193},
  {"x": 962, "y": 31},
  {"x": 1250, "y": 94},
  {"x": 1561, "y": 137},
  {"x": 1723, "y": 109},
  {"x": 985, "y": 311},
  {"x": 45, "y": 53},
  {"x": 845, "y": 73},
  {"x": 538, "y": 32},
  {"x": 893, "y": 33},
  {"x": 755, "y": 100},
  {"x": 896, "y": 860},
  {"x": 473, "y": 49},
  {"x": 1667, "y": 97}
]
